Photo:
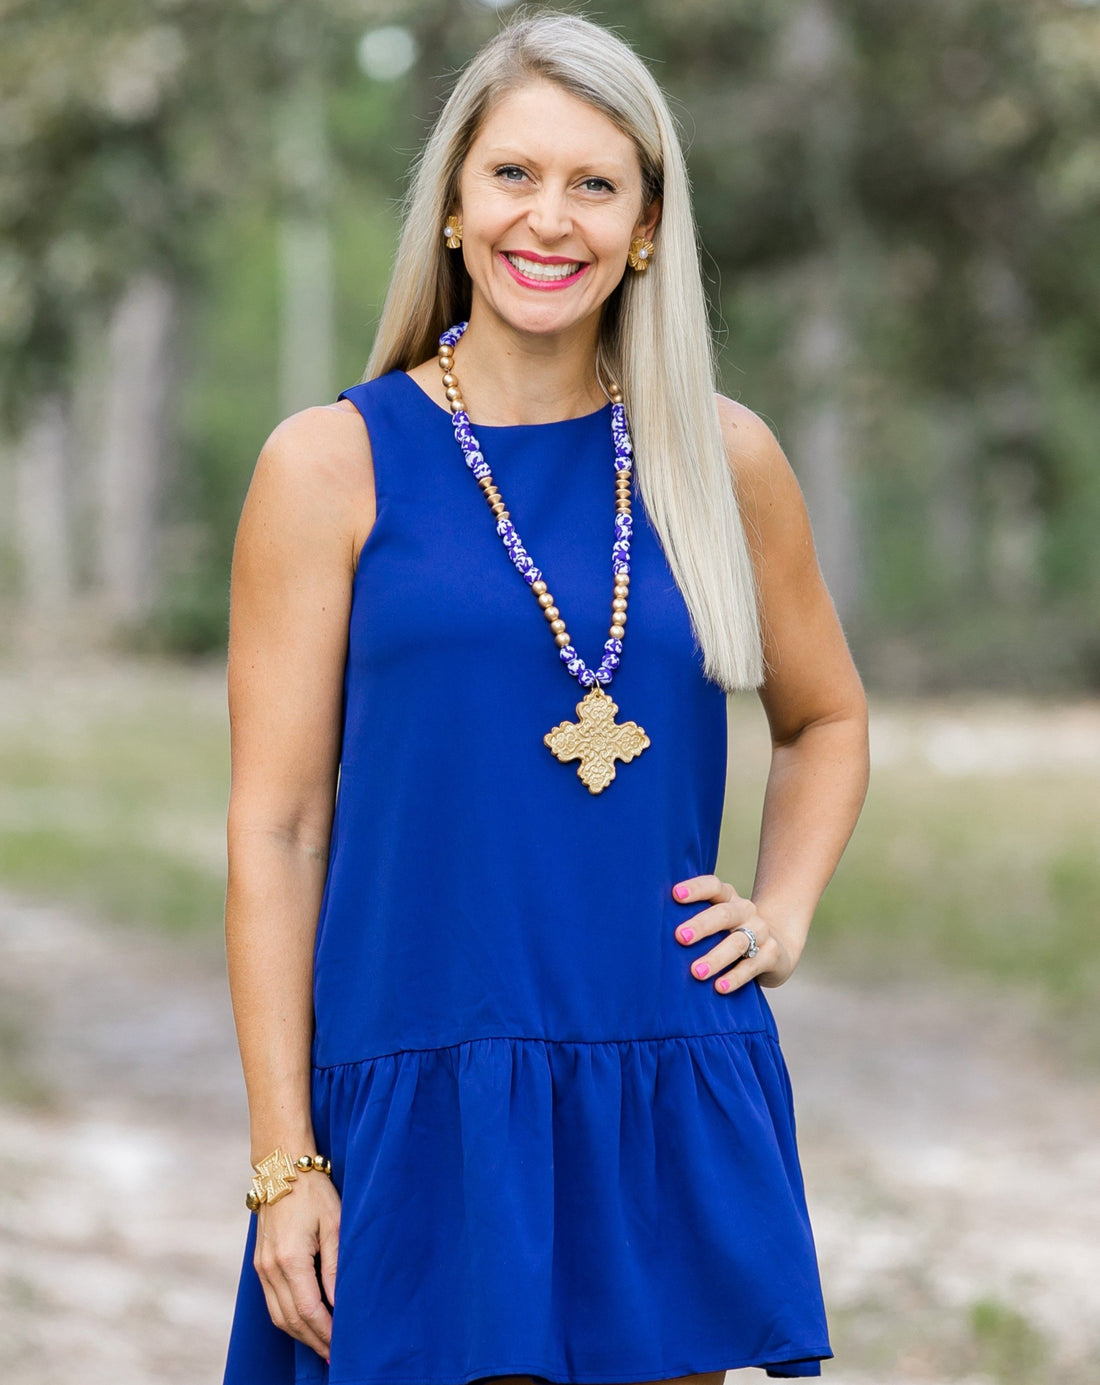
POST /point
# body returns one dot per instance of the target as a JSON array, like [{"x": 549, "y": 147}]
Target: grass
[
  {"x": 114, "y": 781},
  {"x": 909, "y": 1332},
  {"x": 1006, "y": 1346},
  {"x": 988, "y": 865},
  {"x": 113, "y": 785}
]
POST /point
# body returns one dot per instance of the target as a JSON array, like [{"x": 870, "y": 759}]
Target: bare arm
[
  {"x": 305, "y": 516},
  {"x": 817, "y": 714}
]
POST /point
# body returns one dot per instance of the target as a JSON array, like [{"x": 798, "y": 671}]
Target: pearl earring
[
  {"x": 640, "y": 253},
  {"x": 452, "y": 231}
]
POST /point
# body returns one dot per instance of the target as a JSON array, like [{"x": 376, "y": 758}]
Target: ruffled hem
[{"x": 614, "y": 1211}]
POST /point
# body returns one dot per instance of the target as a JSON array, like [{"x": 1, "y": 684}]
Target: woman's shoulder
[
  {"x": 760, "y": 469},
  {"x": 325, "y": 443},
  {"x": 749, "y": 440},
  {"x": 315, "y": 465}
]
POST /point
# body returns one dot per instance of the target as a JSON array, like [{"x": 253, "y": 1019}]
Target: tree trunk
[
  {"x": 43, "y": 550},
  {"x": 823, "y": 444},
  {"x": 815, "y": 56},
  {"x": 133, "y": 446},
  {"x": 307, "y": 310}
]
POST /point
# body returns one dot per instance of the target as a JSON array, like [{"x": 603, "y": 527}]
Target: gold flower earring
[
  {"x": 640, "y": 253},
  {"x": 452, "y": 231}
]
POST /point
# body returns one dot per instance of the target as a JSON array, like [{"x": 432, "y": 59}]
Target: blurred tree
[
  {"x": 900, "y": 204},
  {"x": 899, "y": 211},
  {"x": 128, "y": 127}
]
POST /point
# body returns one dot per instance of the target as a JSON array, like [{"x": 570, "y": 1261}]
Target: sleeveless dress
[{"x": 559, "y": 1154}]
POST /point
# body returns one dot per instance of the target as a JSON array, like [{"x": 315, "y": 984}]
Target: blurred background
[{"x": 900, "y": 212}]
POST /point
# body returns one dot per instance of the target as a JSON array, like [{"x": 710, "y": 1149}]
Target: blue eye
[
  {"x": 509, "y": 168},
  {"x": 602, "y": 181}
]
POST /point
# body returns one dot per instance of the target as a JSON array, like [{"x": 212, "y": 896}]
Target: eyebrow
[{"x": 505, "y": 152}]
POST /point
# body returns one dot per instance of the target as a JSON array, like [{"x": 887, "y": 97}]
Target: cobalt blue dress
[{"x": 558, "y": 1153}]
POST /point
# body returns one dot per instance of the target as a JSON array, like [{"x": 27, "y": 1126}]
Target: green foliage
[{"x": 932, "y": 167}]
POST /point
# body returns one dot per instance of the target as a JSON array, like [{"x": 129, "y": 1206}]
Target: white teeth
[{"x": 532, "y": 269}]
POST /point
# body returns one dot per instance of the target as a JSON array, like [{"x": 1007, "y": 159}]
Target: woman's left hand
[{"x": 775, "y": 958}]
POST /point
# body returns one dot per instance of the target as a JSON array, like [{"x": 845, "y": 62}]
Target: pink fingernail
[
  {"x": 723, "y": 985},
  {"x": 700, "y": 969},
  {"x": 681, "y": 892},
  {"x": 686, "y": 934}
]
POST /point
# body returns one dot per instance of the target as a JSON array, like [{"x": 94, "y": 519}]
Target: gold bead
[
  {"x": 551, "y": 613},
  {"x": 446, "y": 353},
  {"x": 304, "y": 1162},
  {"x": 545, "y": 599},
  {"x": 619, "y": 604},
  {"x": 498, "y": 509},
  {"x": 457, "y": 406},
  {"x": 449, "y": 379},
  {"x": 538, "y": 587},
  {"x": 619, "y": 617},
  {"x": 621, "y": 590},
  {"x": 617, "y": 632},
  {"x": 562, "y": 639},
  {"x": 485, "y": 482},
  {"x": 452, "y": 392},
  {"x": 623, "y": 579},
  {"x": 558, "y": 627},
  {"x": 503, "y": 514}
]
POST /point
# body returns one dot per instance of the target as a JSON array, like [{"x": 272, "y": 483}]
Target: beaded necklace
[{"x": 594, "y": 738}]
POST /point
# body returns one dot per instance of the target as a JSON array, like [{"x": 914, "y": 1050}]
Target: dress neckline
[{"x": 500, "y": 427}]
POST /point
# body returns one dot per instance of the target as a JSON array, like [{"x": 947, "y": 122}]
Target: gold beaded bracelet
[{"x": 275, "y": 1174}]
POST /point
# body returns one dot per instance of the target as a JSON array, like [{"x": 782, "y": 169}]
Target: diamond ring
[{"x": 753, "y": 949}]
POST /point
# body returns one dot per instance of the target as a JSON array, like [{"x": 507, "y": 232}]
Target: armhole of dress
[{"x": 361, "y": 398}]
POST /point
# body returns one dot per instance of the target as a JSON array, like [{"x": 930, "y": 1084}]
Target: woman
[{"x": 488, "y": 988}]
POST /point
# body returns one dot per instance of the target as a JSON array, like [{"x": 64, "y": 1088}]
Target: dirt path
[{"x": 953, "y": 1172}]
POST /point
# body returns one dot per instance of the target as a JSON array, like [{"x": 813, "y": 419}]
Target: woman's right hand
[{"x": 289, "y": 1234}]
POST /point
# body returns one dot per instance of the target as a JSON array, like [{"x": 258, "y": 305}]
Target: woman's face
[{"x": 550, "y": 196}]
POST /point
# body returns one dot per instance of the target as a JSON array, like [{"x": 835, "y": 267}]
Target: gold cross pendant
[{"x": 596, "y": 740}]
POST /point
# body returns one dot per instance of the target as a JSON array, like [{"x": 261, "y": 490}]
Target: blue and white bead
[{"x": 521, "y": 559}]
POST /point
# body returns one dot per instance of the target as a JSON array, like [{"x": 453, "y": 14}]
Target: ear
[{"x": 650, "y": 219}]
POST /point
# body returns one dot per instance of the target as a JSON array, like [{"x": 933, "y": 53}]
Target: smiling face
[{"x": 550, "y": 194}]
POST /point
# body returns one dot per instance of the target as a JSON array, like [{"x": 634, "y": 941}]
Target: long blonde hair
[{"x": 655, "y": 337}]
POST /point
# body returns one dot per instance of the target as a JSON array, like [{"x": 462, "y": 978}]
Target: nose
[{"x": 549, "y": 217}]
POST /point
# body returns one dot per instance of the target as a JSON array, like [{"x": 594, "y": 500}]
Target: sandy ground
[{"x": 951, "y": 1161}]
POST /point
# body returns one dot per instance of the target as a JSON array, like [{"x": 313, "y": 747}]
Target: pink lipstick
[{"x": 546, "y": 284}]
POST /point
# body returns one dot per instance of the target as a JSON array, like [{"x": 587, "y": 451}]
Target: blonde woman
[{"x": 517, "y": 1103}]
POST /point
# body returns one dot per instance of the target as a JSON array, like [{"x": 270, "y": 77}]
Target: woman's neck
[{"x": 508, "y": 378}]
